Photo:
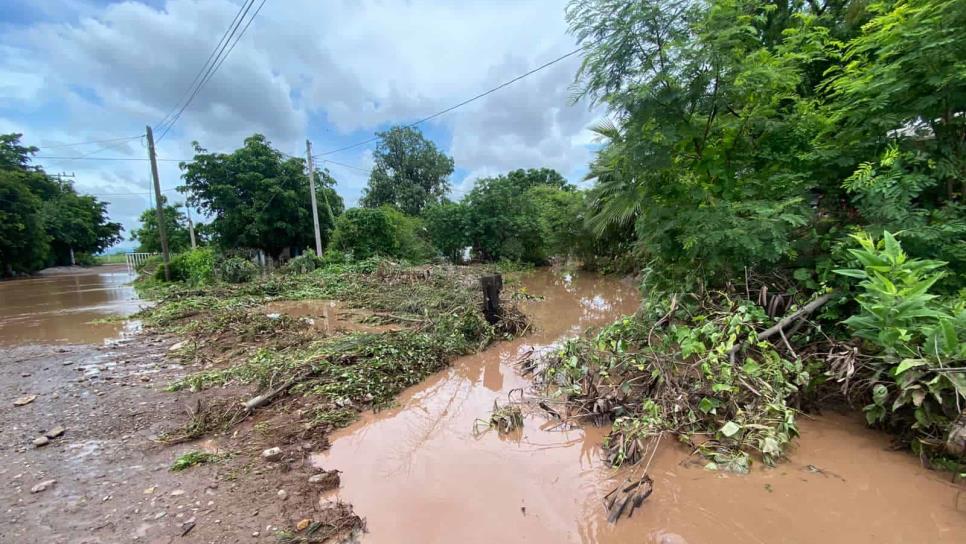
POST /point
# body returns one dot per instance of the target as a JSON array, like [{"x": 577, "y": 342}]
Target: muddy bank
[
  {"x": 67, "y": 305},
  {"x": 418, "y": 473},
  {"x": 112, "y": 478}
]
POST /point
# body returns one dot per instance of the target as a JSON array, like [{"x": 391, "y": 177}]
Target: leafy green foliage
[
  {"x": 745, "y": 128},
  {"x": 304, "y": 263},
  {"x": 194, "y": 458},
  {"x": 410, "y": 172},
  {"x": 526, "y": 215},
  {"x": 235, "y": 270},
  {"x": 362, "y": 233},
  {"x": 258, "y": 198},
  {"x": 43, "y": 219},
  {"x": 447, "y": 226},
  {"x": 748, "y": 139},
  {"x": 193, "y": 267},
  {"x": 919, "y": 340},
  {"x": 680, "y": 380},
  {"x": 176, "y": 228}
]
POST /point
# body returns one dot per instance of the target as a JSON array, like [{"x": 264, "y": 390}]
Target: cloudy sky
[{"x": 333, "y": 71}]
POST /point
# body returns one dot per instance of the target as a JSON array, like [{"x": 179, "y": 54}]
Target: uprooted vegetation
[
  {"x": 435, "y": 313},
  {"x": 726, "y": 371}
]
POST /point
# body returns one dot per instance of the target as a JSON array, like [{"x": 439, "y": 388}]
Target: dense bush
[
  {"x": 447, "y": 227},
  {"x": 917, "y": 342},
  {"x": 746, "y": 141},
  {"x": 361, "y": 233},
  {"x": 194, "y": 267},
  {"x": 236, "y": 270},
  {"x": 526, "y": 215},
  {"x": 304, "y": 263}
]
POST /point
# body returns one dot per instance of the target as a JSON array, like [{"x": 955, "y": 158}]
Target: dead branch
[{"x": 801, "y": 313}]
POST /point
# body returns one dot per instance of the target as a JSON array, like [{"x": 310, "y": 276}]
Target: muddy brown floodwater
[
  {"x": 418, "y": 473},
  {"x": 64, "y": 306}
]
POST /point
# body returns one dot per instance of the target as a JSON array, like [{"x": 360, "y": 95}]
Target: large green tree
[
  {"x": 175, "y": 225},
  {"x": 43, "y": 220},
  {"x": 512, "y": 216},
  {"x": 259, "y": 198},
  {"x": 750, "y": 134},
  {"x": 24, "y": 244},
  {"x": 410, "y": 172}
]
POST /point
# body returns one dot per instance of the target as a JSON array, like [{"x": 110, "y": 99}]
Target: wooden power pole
[
  {"x": 191, "y": 225},
  {"x": 310, "y": 173},
  {"x": 159, "y": 205}
]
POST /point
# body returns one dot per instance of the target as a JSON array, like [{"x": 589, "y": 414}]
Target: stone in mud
[
  {"x": 25, "y": 400},
  {"x": 179, "y": 345},
  {"x": 282, "y": 494},
  {"x": 272, "y": 454},
  {"x": 42, "y": 486},
  {"x": 41, "y": 441},
  {"x": 956, "y": 440},
  {"x": 56, "y": 432},
  {"x": 327, "y": 480},
  {"x": 671, "y": 538}
]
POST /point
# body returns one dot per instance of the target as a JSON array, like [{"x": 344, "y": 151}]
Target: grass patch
[
  {"x": 117, "y": 258},
  {"x": 194, "y": 458},
  {"x": 438, "y": 311}
]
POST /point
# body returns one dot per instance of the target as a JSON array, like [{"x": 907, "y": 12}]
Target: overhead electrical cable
[
  {"x": 467, "y": 101},
  {"x": 85, "y": 158},
  {"x": 75, "y": 144},
  {"x": 218, "y": 60},
  {"x": 206, "y": 66}
]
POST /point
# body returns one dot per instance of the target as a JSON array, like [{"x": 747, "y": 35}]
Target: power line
[
  {"x": 214, "y": 67},
  {"x": 129, "y": 194},
  {"x": 224, "y": 36},
  {"x": 344, "y": 165},
  {"x": 465, "y": 102},
  {"x": 87, "y": 158},
  {"x": 75, "y": 144}
]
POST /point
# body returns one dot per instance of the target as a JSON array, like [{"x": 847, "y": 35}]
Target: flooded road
[
  {"x": 67, "y": 306},
  {"x": 418, "y": 473}
]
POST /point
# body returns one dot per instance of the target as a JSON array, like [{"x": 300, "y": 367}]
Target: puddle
[
  {"x": 417, "y": 473},
  {"x": 65, "y": 307},
  {"x": 328, "y": 317}
]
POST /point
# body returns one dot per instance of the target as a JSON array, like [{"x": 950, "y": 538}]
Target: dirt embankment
[{"x": 108, "y": 479}]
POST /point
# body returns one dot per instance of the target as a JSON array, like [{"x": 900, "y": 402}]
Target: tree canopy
[
  {"x": 176, "y": 228},
  {"x": 259, "y": 198},
  {"x": 747, "y": 133},
  {"x": 43, "y": 220},
  {"x": 525, "y": 215},
  {"x": 410, "y": 172}
]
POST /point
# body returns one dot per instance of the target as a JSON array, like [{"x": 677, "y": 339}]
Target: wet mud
[
  {"x": 329, "y": 317},
  {"x": 68, "y": 306},
  {"x": 418, "y": 473}
]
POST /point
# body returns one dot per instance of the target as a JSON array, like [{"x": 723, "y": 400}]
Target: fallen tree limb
[
  {"x": 784, "y": 322},
  {"x": 265, "y": 398}
]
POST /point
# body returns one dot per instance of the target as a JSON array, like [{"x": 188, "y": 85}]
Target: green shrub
[
  {"x": 150, "y": 265},
  {"x": 194, "y": 267},
  {"x": 367, "y": 232},
  {"x": 918, "y": 341},
  {"x": 304, "y": 263},
  {"x": 85, "y": 259},
  {"x": 237, "y": 270},
  {"x": 446, "y": 224}
]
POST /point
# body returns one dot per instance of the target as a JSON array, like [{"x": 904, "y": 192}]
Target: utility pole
[
  {"x": 310, "y": 173},
  {"x": 191, "y": 225},
  {"x": 158, "y": 204},
  {"x": 60, "y": 179}
]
